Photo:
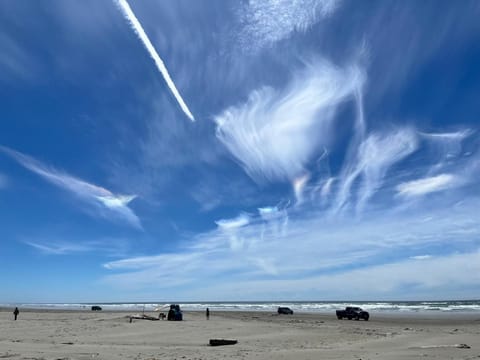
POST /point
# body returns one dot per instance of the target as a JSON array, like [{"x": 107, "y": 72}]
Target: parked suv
[{"x": 285, "y": 310}]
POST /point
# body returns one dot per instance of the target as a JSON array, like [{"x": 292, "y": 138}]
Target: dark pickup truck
[{"x": 351, "y": 312}]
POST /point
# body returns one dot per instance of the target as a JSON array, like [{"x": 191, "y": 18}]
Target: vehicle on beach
[
  {"x": 351, "y": 312},
  {"x": 285, "y": 310},
  {"x": 96, "y": 308},
  {"x": 175, "y": 314}
]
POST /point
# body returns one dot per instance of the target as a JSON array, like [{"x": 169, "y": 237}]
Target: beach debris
[
  {"x": 142, "y": 317},
  {"x": 96, "y": 308},
  {"x": 458, "y": 346},
  {"x": 8, "y": 355},
  {"x": 220, "y": 342}
]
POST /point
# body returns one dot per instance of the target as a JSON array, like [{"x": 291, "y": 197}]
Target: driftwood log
[
  {"x": 143, "y": 317},
  {"x": 220, "y": 342}
]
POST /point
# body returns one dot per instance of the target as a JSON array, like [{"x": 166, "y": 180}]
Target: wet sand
[{"x": 39, "y": 334}]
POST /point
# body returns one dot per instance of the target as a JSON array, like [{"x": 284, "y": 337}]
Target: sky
[{"x": 239, "y": 150}]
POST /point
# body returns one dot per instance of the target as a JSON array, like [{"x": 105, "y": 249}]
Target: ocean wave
[{"x": 298, "y": 306}]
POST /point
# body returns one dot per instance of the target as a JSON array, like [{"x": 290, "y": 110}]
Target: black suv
[{"x": 285, "y": 310}]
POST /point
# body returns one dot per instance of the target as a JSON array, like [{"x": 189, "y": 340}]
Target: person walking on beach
[
  {"x": 16, "y": 312},
  {"x": 207, "y": 313}
]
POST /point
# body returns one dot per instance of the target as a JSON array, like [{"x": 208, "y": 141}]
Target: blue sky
[{"x": 239, "y": 150}]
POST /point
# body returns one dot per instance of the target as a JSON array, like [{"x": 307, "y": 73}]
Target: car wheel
[{"x": 349, "y": 318}]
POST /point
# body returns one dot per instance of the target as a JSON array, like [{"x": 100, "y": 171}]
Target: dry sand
[{"x": 109, "y": 335}]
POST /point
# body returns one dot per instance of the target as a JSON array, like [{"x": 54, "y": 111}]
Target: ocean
[{"x": 297, "y": 306}]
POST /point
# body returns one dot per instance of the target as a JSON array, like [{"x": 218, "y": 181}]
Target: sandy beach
[{"x": 39, "y": 334}]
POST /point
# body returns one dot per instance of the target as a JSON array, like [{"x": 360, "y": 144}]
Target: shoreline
[
  {"x": 424, "y": 314},
  {"x": 403, "y": 307}
]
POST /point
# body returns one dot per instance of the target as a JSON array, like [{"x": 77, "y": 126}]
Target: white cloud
[
  {"x": 59, "y": 248},
  {"x": 98, "y": 196},
  {"x": 231, "y": 224},
  {"x": 231, "y": 228},
  {"x": 165, "y": 262},
  {"x": 53, "y": 246},
  {"x": 451, "y": 136},
  {"x": 313, "y": 250},
  {"x": 421, "y": 257},
  {"x": 137, "y": 27},
  {"x": 269, "y": 212},
  {"x": 444, "y": 147},
  {"x": 374, "y": 157},
  {"x": 428, "y": 185},
  {"x": 327, "y": 187},
  {"x": 274, "y": 134},
  {"x": 377, "y": 154},
  {"x": 454, "y": 276},
  {"x": 16, "y": 63},
  {"x": 267, "y": 21},
  {"x": 275, "y": 221},
  {"x": 299, "y": 186}
]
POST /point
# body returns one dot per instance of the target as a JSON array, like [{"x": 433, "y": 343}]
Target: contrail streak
[{"x": 137, "y": 27}]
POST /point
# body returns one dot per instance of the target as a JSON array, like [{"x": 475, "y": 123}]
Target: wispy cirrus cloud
[
  {"x": 326, "y": 187},
  {"x": 53, "y": 246},
  {"x": 232, "y": 228},
  {"x": 59, "y": 248},
  {"x": 115, "y": 205},
  {"x": 421, "y": 257},
  {"x": 276, "y": 136},
  {"x": 228, "y": 224},
  {"x": 445, "y": 147},
  {"x": 16, "y": 63},
  {"x": 275, "y": 133},
  {"x": 299, "y": 186},
  {"x": 3, "y": 181},
  {"x": 428, "y": 185},
  {"x": 371, "y": 156},
  {"x": 264, "y": 22},
  {"x": 450, "y": 137},
  {"x": 313, "y": 249},
  {"x": 375, "y": 155},
  {"x": 137, "y": 27},
  {"x": 408, "y": 279}
]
